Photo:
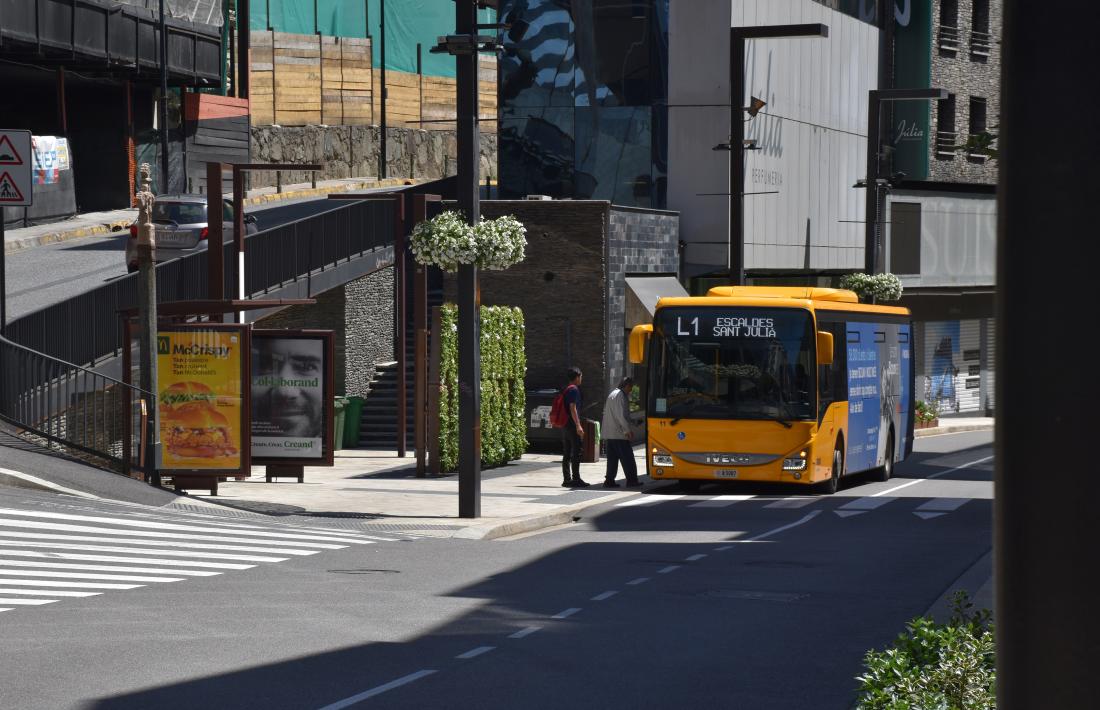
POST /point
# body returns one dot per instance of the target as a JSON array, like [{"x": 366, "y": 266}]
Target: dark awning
[{"x": 642, "y": 293}]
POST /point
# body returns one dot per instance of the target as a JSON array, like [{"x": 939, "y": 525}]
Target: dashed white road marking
[
  {"x": 723, "y": 548},
  {"x": 522, "y": 633},
  {"x": 27, "y": 602},
  {"x": 89, "y": 575},
  {"x": 120, "y": 558},
  {"x": 934, "y": 475},
  {"x": 403, "y": 680},
  {"x": 647, "y": 500},
  {"x": 48, "y": 592},
  {"x": 56, "y": 541},
  {"x": 670, "y": 568},
  {"x": 76, "y": 585},
  {"x": 861, "y": 505},
  {"x": 939, "y": 506},
  {"x": 475, "y": 652},
  {"x": 720, "y": 501},
  {"x": 695, "y": 558},
  {"x": 791, "y": 503},
  {"x": 604, "y": 596},
  {"x": 800, "y": 521},
  {"x": 566, "y": 614},
  {"x": 636, "y": 582},
  {"x": 104, "y": 568}
]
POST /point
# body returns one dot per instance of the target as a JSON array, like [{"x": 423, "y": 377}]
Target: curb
[
  {"x": 975, "y": 581},
  {"x": 17, "y": 479},
  {"x": 949, "y": 429},
  {"x": 531, "y": 523},
  {"x": 119, "y": 225}
]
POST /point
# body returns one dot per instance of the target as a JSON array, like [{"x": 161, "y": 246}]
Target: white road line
[
  {"x": 791, "y": 503},
  {"x": 565, "y": 614},
  {"x": 944, "y": 505},
  {"x": 934, "y": 475},
  {"x": 67, "y": 585},
  {"x": 119, "y": 558},
  {"x": 475, "y": 652},
  {"x": 522, "y": 633},
  {"x": 67, "y": 527},
  {"x": 174, "y": 526},
  {"x": 723, "y": 548},
  {"x": 670, "y": 568},
  {"x": 6, "y": 608},
  {"x": 866, "y": 503},
  {"x": 28, "y": 602},
  {"x": 647, "y": 500},
  {"x": 720, "y": 501},
  {"x": 89, "y": 575},
  {"x": 605, "y": 595},
  {"x": 695, "y": 558},
  {"x": 404, "y": 680},
  {"x": 636, "y": 582},
  {"x": 48, "y": 593},
  {"x": 107, "y": 568},
  {"x": 164, "y": 543},
  {"x": 795, "y": 524}
]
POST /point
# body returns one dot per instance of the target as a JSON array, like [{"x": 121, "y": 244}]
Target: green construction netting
[{"x": 408, "y": 22}]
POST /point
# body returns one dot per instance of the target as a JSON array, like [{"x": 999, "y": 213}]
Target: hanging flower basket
[
  {"x": 873, "y": 288},
  {"x": 447, "y": 241}
]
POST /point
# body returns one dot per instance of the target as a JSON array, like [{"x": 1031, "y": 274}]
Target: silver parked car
[{"x": 181, "y": 227}]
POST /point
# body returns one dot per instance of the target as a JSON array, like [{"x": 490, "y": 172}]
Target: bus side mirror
[
  {"x": 639, "y": 336},
  {"x": 824, "y": 348}
]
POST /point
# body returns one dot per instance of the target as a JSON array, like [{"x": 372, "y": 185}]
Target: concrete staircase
[{"x": 378, "y": 425}]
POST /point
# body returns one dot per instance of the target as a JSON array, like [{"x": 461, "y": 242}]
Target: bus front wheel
[{"x": 832, "y": 483}]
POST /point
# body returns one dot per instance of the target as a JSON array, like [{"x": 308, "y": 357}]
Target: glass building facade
[{"x": 583, "y": 90}]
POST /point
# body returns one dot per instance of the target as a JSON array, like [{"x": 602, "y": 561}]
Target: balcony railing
[
  {"x": 949, "y": 39},
  {"x": 945, "y": 144},
  {"x": 980, "y": 44}
]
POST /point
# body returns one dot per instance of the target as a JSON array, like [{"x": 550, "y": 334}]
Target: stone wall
[
  {"x": 361, "y": 316},
  {"x": 560, "y": 288},
  {"x": 640, "y": 241},
  {"x": 965, "y": 74},
  {"x": 353, "y": 151}
]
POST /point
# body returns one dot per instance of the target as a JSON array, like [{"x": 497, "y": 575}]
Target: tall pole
[
  {"x": 469, "y": 295},
  {"x": 1044, "y": 515},
  {"x": 382, "y": 167},
  {"x": 244, "y": 64},
  {"x": 147, "y": 318},
  {"x": 736, "y": 258},
  {"x": 872, "y": 233},
  {"x": 164, "y": 188}
]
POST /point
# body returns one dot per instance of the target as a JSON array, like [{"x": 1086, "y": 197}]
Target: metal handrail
[
  {"x": 949, "y": 38},
  {"x": 981, "y": 43}
]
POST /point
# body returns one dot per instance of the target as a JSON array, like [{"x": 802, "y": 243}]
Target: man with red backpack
[{"x": 565, "y": 414}]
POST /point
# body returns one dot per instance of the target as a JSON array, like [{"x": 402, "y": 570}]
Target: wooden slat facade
[{"x": 301, "y": 80}]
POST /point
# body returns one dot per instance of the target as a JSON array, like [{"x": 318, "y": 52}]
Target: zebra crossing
[
  {"x": 78, "y": 551},
  {"x": 928, "y": 510}
]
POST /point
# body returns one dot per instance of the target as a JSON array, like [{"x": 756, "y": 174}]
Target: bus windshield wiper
[{"x": 786, "y": 413}]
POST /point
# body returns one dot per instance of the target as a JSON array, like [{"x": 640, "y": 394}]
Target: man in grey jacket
[{"x": 617, "y": 431}]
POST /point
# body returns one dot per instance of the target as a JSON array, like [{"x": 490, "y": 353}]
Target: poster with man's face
[{"x": 288, "y": 396}]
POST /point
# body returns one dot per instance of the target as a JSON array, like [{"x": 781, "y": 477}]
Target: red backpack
[{"x": 559, "y": 417}]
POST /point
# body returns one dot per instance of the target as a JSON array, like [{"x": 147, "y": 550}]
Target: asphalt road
[
  {"x": 738, "y": 597},
  {"x": 43, "y": 275}
]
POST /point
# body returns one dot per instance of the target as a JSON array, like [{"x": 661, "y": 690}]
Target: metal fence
[{"x": 42, "y": 391}]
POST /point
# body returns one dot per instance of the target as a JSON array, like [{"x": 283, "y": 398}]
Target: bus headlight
[
  {"x": 662, "y": 459},
  {"x": 795, "y": 463}
]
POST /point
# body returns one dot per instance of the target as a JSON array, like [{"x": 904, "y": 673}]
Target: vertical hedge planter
[{"x": 503, "y": 399}]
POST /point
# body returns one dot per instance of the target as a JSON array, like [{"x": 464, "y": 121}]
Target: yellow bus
[{"x": 781, "y": 384}]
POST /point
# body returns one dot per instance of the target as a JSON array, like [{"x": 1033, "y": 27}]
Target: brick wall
[{"x": 640, "y": 241}]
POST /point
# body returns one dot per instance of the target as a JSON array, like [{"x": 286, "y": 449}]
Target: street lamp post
[
  {"x": 738, "y": 36},
  {"x": 873, "y": 238}
]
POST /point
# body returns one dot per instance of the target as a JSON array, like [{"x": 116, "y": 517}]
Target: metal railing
[
  {"x": 72, "y": 409},
  {"x": 981, "y": 44},
  {"x": 945, "y": 144},
  {"x": 949, "y": 38}
]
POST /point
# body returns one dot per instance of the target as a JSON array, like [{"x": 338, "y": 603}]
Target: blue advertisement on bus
[{"x": 879, "y": 362}]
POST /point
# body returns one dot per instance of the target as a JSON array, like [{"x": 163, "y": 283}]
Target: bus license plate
[{"x": 726, "y": 473}]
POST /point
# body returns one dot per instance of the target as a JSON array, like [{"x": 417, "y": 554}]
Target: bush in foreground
[{"x": 934, "y": 666}]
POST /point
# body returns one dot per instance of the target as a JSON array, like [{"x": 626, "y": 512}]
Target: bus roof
[{"x": 830, "y": 299}]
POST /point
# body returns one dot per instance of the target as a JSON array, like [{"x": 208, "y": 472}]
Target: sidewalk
[
  {"x": 93, "y": 223},
  {"x": 375, "y": 485},
  {"x": 955, "y": 425}
]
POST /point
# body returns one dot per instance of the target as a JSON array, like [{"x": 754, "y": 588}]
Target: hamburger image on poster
[
  {"x": 191, "y": 425},
  {"x": 287, "y": 396}
]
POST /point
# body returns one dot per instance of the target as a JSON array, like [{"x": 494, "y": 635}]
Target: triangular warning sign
[
  {"x": 9, "y": 191},
  {"x": 8, "y": 154}
]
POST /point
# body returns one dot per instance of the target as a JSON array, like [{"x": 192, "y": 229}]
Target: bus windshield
[{"x": 733, "y": 363}]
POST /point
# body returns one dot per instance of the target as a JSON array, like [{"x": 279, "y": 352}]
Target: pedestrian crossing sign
[{"x": 16, "y": 187}]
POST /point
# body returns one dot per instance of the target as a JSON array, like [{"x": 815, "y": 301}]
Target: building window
[
  {"x": 977, "y": 124},
  {"x": 980, "y": 41},
  {"x": 946, "y": 136},
  {"x": 905, "y": 237},
  {"x": 949, "y": 27}
]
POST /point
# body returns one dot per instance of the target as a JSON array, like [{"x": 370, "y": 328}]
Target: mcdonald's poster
[{"x": 200, "y": 397}]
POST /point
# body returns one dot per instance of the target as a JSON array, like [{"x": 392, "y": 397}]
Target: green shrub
[
  {"x": 926, "y": 411},
  {"x": 934, "y": 666},
  {"x": 503, "y": 399}
]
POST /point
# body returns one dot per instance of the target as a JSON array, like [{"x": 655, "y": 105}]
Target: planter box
[{"x": 927, "y": 425}]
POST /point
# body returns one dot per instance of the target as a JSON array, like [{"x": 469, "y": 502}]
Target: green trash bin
[
  {"x": 338, "y": 407},
  {"x": 353, "y": 413}
]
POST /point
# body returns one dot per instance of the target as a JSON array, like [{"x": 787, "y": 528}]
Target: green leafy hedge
[
  {"x": 934, "y": 666},
  {"x": 503, "y": 400}
]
